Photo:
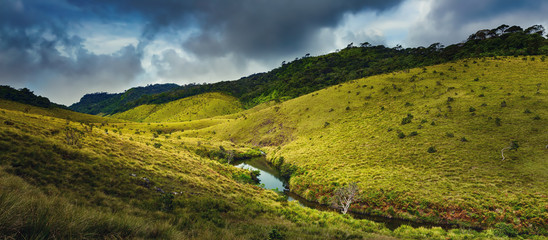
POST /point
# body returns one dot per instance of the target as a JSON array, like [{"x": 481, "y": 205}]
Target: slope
[
  {"x": 55, "y": 112},
  {"x": 423, "y": 144},
  {"x": 105, "y": 103},
  {"x": 186, "y": 109},
  {"x": 61, "y": 179},
  {"x": 26, "y": 96},
  {"x": 311, "y": 73}
]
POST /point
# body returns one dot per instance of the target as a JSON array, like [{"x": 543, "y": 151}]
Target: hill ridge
[{"x": 311, "y": 73}]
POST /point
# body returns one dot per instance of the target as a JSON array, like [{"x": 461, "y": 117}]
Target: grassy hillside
[
  {"x": 55, "y": 112},
  {"x": 422, "y": 144},
  {"x": 61, "y": 179},
  {"x": 192, "y": 108},
  {"x": 311, "y": 73},
  {"x": 106, "y": 103},
  {"x": 26, "y": 96}
]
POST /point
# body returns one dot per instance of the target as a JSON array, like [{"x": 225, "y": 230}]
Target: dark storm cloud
[
  {"x": 36, "y": 51},
  {"x": 452, "y": 21},
  {"x": 39, "y": 47},
  {"x": 248, "y": 27}
]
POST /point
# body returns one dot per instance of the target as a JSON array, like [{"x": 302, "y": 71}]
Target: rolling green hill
[
  {"x": 311, "y": 73},
  {"x": 64, "y": 179},
  {"x": 105, "y": 103},
  {"x": 55, "y": 112},
  {"x": 192, "y": 108},
  {"x": 26, "y": 96},
  {"x": 422, "y": 144}
]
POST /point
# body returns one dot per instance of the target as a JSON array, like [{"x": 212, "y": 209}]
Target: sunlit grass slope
[
  {"x": 422, "y": 144},
  {"x": 55, "y": 112},
  {"x": 119, "y": 181},
  {"x": 192, "y": 108}
]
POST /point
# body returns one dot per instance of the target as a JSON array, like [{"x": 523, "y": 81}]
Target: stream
[{"x": 270, "y": 179}]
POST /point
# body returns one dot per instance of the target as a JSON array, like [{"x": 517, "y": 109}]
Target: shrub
[
  {"x": 497, "y": 122},
  {"x": 166, "y": 201},
  {"x": 471, "y": 109},
  {"x": 432, "y": 149},
  {"x": 527, "y": 111},
  {"x": 505, "y": 229},
  {"x": 414, "y": 133},
  {"x": 449, "y": 134},
  {"x": 275, "y": 234},
  {"x": 401, "y": 135},
  {"x": 537, "y": 117},
  {"x": 72, "y": 136},
  {"x": 463, "y": 139},
  {"x": 503, "y": 104},
  {"x": 407, "y": 119},
  {"x": 157, "y": 145}
]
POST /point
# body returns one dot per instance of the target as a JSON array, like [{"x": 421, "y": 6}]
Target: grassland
[
  {"x": 423, "y": 144},
  {"x": 55, "y": 113},
  {"x": 97, "y": 187},
  {"x": 108, "y": 186},
  {"x": 202, "y": 106}
]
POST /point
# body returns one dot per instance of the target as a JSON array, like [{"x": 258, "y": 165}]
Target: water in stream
[{"x": 271, "y": 179}]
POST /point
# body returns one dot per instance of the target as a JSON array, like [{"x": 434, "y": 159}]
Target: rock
[{"x": 159, "y": 190}]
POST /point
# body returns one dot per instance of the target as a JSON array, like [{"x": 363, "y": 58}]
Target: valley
[{"x": 422, "y": 144}]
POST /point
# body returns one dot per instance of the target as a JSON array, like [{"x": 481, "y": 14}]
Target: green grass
[
  {"x": 346, "y": 133},
  {"x": 192, "y": 108},
  {"x": 350, "y": 132},
  {"x": 28, "y": 213},
  {"x": 55, "y": 112},
  {"x": 95, "y": 189}
]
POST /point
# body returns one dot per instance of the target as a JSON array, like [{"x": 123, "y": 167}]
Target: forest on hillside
[{"x": 311, "y": 73}]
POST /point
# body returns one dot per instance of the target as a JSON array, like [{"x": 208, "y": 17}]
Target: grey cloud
[
  {"x": 254, "y": 28},
  {"x": 273, "y": 28},
  {"x": 37, "y": 48},
  {"x": 37, "y": 61},
  {"x": 453, "y": 21},
  {"x": 36, "y": 51},
  {"x": 172, "y": 67}
]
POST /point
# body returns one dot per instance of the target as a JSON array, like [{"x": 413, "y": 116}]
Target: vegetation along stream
[{"x": 270, "y": 178}]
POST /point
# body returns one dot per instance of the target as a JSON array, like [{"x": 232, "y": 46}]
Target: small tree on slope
[{"x": 344, "y": 196}]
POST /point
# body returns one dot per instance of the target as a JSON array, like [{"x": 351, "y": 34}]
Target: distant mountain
[
  {"x": 26, "y": 96},
  {"x": 308, "y": 74},
  {"x": 106, "y": 103}
]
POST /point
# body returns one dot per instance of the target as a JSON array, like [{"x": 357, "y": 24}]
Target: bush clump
[{"x": 407, "y": 119}]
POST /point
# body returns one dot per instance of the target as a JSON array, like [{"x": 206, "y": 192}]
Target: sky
[{"x": 63, "y": 49}]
